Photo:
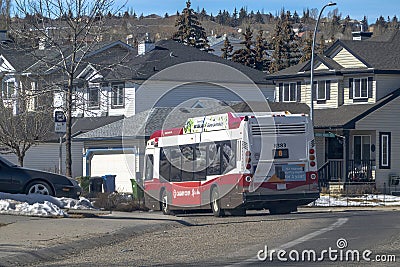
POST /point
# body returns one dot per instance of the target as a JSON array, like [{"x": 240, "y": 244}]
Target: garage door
[{"x": 121, "y": 165}]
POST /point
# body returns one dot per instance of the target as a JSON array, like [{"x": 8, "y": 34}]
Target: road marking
[{"x": 297, "y": 241}]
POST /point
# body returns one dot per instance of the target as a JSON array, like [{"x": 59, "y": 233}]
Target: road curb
[{"x": 56, "y": 252}]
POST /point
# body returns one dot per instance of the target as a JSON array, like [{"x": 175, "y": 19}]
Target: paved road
[
  {"x": 201, "y": 240},
  {"x": 24, "y": 240}
]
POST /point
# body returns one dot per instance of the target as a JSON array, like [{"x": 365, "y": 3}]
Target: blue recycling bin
[{"x": 109, "y": 183}]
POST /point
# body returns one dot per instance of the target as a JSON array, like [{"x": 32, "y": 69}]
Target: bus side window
[
  {"x": 149, "y": 167},
  {"x": 200, "y": 164},
  {"x": 165, "y": 165},
  {"x": 175, "y": 160},
  {"x": 214, "y": 159},
  {"x": 228, "y": 150},
  {"x": 187, "y": 162}
]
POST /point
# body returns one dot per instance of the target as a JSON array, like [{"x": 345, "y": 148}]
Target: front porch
[{"x": 350, "y": 171}]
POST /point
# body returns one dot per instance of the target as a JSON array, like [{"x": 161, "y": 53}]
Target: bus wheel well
[{"x": 160, "y": 197}]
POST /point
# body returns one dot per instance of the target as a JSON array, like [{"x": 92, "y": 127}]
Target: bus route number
[{"x": 280, "y": 145}]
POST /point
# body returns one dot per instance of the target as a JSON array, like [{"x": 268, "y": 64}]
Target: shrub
[
  {"x": 118, "y": 202},
  {"x": 84, "y": 183}
]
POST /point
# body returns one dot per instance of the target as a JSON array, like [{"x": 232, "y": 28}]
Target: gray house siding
[
  {"x": 386, "y": 84},
  {"x": 45, "y": 157},
  {"x": 385, "y": 119}
]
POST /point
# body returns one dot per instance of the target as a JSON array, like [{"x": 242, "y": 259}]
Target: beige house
[{"x": 356, "y": 102}]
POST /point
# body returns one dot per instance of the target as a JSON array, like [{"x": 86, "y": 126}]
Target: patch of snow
[
  {"x": 46, "y": 209},
  {"x": 365, "y": 200},
  {"x": 40, "y": 205}
]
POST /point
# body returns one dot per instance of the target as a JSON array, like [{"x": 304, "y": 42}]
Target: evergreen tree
[
  {"x": 259, "y": 18},
  {"x": 190, "y": 32},
  {"x": 227, "y": 49},
  {"x": 234, "y": 19},
  {"x": 307, "y": 48},
  {"x": 322, "y": 44},
  {"x": 364, "y": 24},
  {"x": 246, "y": 55},
  {"x": 260, "y": 52},
  {"x": 242, "y": 15},
  {"x": 203, "y": 14},
  {"x": 296, "y": 18},
  {"x": 285, "y": 44},
  {"x": 166, "y": 16}
]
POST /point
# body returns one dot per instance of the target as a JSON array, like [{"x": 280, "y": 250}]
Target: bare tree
[
  {"x": 18, "y": 133},
  {"x": 72, "y": 29}
]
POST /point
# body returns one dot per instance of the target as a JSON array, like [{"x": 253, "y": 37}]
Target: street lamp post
[{"x": 312, "y": 61}]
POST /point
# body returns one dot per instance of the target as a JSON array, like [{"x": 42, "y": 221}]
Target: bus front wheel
[
  {"x": 216, "y": 203},
  {"x": 165, "y": 203}
]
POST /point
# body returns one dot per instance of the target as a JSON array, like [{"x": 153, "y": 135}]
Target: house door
[
  {"x": 361, "y": 148},
  {"x": 334, "y": 148}
]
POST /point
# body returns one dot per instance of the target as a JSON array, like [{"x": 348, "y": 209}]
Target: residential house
[{"x": 356, "y": 108}]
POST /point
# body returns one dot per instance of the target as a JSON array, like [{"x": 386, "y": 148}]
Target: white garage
[{"x": 123, "y": 165}]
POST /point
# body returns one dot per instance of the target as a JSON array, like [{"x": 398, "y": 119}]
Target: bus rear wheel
[
  {"x": 216, "y": 203},
  {"x": 165, "y": 203}
]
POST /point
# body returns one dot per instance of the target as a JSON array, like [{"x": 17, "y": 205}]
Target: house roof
[
  {"x": 143, "y": 124},
  {"x": 379, "y": 55},
  {"x": 85, "y": 124},
  {"x": 218, "y": 43},
  {"x": 346, "y": 116},
  {"x": 19, "y": 59},
  {"x": 168, "y": 53}
]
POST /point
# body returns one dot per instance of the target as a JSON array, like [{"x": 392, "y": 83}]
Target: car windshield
[{"x": 8, "y": 163}]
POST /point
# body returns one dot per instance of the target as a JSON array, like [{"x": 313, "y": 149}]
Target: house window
[
  {"x": 290, "y": 92},
  {"x": 362, "y": 148},
  {"x": 117, "y": 95},
  {"x": 361, "y": 88},
  {"x": 8, "y": 90},
  {"x": 322, "y": 89},
  {"x": 385, "y": 147},
  {"x": 94, "y": 97}
]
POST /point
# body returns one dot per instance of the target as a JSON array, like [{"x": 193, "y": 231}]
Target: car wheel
[
  {"x": 39, "y": 187},
  {"x": 216, "y": 203}
]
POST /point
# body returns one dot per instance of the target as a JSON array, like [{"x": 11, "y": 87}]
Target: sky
[{"x": 355, "y": 8}]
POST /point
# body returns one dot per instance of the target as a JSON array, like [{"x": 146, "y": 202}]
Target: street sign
[
  {"x": 60, "y": 122},
  {"x": 330, "y": 135}
]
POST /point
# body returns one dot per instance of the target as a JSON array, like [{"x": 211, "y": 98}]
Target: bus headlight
[{"x": 313, "y": 176}]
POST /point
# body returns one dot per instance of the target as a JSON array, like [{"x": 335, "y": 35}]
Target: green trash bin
[{"x": 137, "y": 190}]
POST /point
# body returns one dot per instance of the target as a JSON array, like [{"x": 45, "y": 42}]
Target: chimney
[
  {"x": 361, "y": 35},
  {"x": 145, "y": 45}
]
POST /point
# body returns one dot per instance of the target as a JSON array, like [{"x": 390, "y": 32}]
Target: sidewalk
[{"x": 24, "y": 240}]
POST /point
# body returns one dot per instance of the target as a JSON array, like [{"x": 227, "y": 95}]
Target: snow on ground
[
  {"x": 40, "y": 205},
  {"x": 364, "y": 200}
]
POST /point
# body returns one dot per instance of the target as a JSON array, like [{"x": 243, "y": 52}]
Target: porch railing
[
  {"x": 360, "y": 171},
  {"x": 331, "y": 171},
  {"x": 357, "y": 171}
]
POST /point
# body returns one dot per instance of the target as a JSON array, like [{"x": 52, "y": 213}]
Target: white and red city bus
[{"x": 232, "y": 163}]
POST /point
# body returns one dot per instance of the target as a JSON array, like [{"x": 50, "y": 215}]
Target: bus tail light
[
  {"x": 312, "y": 157},
  {"x": 248, "y": 160}
]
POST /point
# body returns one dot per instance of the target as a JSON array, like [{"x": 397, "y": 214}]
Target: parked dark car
[{"x": 15, "y": 179}]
